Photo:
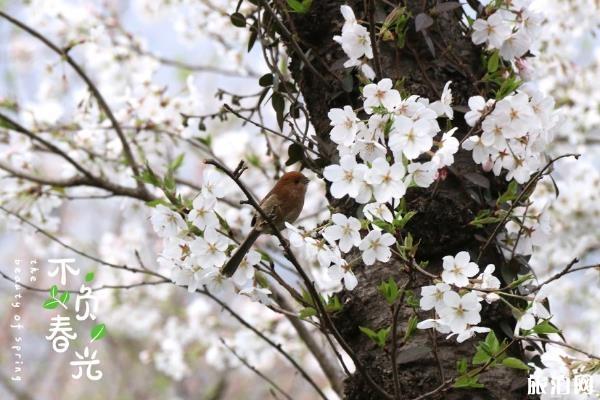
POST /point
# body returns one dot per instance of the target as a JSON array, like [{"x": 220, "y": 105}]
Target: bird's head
[{"x": 293, "y": 180}]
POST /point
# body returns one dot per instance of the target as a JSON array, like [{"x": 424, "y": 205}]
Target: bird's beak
[{"x": 305, "y": 180}]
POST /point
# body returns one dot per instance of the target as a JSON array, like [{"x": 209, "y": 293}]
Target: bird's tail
[{"x": 237, "y": 257}]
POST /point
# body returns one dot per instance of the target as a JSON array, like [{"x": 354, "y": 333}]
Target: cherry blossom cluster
[
  {"x": 458, "y": 311},
  {"x": 356, "y": 43},
  {"x": 511, "y": 30},
  {"x": 406, "y": 127},
  {"x": 341, "y": 235},
  {"x": 516, "y": 131},
  {"x": 195, "y": 260}
]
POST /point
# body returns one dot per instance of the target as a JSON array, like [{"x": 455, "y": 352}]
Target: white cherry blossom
[
  {"x": 345, "y": 125},
  {"x": 493, "y": 30},
  {"x": 458, "y": 269},
  {"x": 346, "y": 178},
  {"x": 202, "y": 215},
  {"x": 345, "y": 229},
  {"x": 444, "y": 105},
  {"x": 386, "y": 180},
  {"x": 381, "y": 94},
  {"x": 410, "y": 138},
  {"x": 433, "y": 296},
  {"x": 459, "y": 312},
  {"x": 209, "y": 251},
  {"x": 166, "y": 222},
  {"x": 376, "y": 247}
]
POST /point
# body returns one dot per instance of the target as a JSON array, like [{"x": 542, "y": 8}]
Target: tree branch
[{"x": 93, "y": 89}]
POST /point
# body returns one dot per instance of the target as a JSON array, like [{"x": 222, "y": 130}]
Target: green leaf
[
  {"x": 515, "y": 363},
  {"x": 64, "y": 298},
  {"x": 169, "y": 182},
  {"x": 98, "y": 332},
  {"x": 492, "y": 65},
  {"x": 300, "y": 7},
  {"x": 266, "y": 80},
  {"x": 461, "y": 366},
  {"x": 545, "y": 327},
  {"x": 465, "y": 382},
  {"x": 510, "y": 194},
  {"x": 177, "y": 162},
  {"x": 333, "y": 304},
  {"x": 53, "y": 291},
  {"x": 155, "y": 202},
  {"x": 89, "y": 277},
  {"x": 486, "y": 349},
  {"x": 492, "y": 342},
  {"x": 480, "y": 222},
  {"x": 521, "y": 279},
  {"x": 481, "y": 356},
  {"x": 148, "y": 176},
  {"x": 238, "y": 19},
  {"x": 411, "y": 327},
  {"x": 278, "y": 104},
  {"x": 400, "y": 223},
  {"x": 307, "y": 312},
  {"x": 379, "y": 337},
  {"x": 389, "y": 290},
  {"x": 50, "y": 304}
]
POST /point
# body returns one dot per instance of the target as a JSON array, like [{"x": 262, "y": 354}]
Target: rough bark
[{"x": 443, "y": 211}]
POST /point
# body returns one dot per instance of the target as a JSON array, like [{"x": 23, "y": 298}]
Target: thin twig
[
  {"x": 77, "y": 251},
  {"x": 395, "y": 312},
  {"x": 330, "y": 370},
  {"x": 283, "y": 31},
  {"x": 568, "y": 346},
  {"x": 92, "y": 87},
  {"x": 255, "y": 370},
  {"x": 88, "y": 178},
  {"x": 94, "y": 289},
  {"x": 558, "y": 275},
  {"x": 274, "y": 132},
  {"x": 525, "y": 190},
  {"x": 276, "y": 346},
  {"x": 371, "y": 15}
]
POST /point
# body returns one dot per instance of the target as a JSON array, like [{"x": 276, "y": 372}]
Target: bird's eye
[{"x": 297, "y": 181}]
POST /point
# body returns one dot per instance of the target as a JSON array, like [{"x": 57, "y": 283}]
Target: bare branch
[
  {"x": 94, "y": 90},
  {"x": 568, "y": 346},
  {"x": 525, "y": 190},
  {"x": 77, "y": 251},
  {"x": 255, "y": 370},
  {"x": 88, "y": 178}
]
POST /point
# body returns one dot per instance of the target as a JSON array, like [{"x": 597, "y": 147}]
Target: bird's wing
[{"x": 271, "y": 206}]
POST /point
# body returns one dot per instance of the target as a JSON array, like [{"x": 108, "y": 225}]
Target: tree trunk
[{"x": 444, "y": 210}]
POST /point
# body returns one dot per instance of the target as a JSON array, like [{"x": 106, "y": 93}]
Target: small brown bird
[{"x": 282, "y": 204}]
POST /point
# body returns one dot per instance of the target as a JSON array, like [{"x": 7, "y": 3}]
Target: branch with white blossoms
[
  {"x": 515, "y": 132},
  {"x": 459, "y": 311},
  {"x": 404, "y": 128},
  {"x": 511, "y": 29},
  {"x": 356, "y": 43}
]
